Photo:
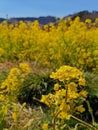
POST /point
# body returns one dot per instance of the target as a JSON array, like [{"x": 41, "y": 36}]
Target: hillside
[{"x": 86, "y": 15}]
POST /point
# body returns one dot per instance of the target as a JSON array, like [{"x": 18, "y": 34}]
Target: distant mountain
[
  {"x": 42, "y": 20},
  {"x": 46, "y": 20},
  {"x": 86, "y": 15},
  {"x": 1, "y": 20}
]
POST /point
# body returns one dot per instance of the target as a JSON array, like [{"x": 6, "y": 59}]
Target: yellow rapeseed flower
[
  {"x": 82, "y": 82},
  {"x": 45, "y": 126},
  {"x": 24, "y": 67},
  {"x": 56, "y": 87},
  {"x": 80, "y": 109}
]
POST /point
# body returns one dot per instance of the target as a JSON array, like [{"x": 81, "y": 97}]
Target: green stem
[
  {"x": 54, "y": 119},
  {"x": 91, "y": 112},
  {"x": 84, "y": 123},
  {"x": 66, "y": 94}
]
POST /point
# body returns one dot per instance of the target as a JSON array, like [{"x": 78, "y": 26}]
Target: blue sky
[{"x": 36, "y": 8}]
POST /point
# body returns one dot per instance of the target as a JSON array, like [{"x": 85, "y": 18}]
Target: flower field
[
  {"x": 69, "y": 42},
  {"x": 65, "y": 80}
]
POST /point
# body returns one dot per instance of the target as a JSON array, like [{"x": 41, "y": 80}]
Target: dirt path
[{"x": 6, "y": 66}]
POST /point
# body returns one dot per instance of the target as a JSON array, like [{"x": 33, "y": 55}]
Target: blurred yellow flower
[
  {"x": 45, "y": 126},
  {"x": 82, "y": 81},
  {"x": 80, "y": 108}
]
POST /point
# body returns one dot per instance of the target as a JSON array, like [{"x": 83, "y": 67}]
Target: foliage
[
  {"x": 68, "y": 96},
  {"x": 12, "y": 114},
  {"x": 8, "y": 92},
  {"x": 33, "y": 87},
  {"x": 10, "y": 85},
  {"x": 92, "y": 83},
  {"x": 20, "y": 117},
  {"x": 71, "y": 45}
]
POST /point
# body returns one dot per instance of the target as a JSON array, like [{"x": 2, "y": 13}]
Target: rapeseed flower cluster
[
  {"x": 10, "y": 86},
  {"x": 68, "y": 92}
]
